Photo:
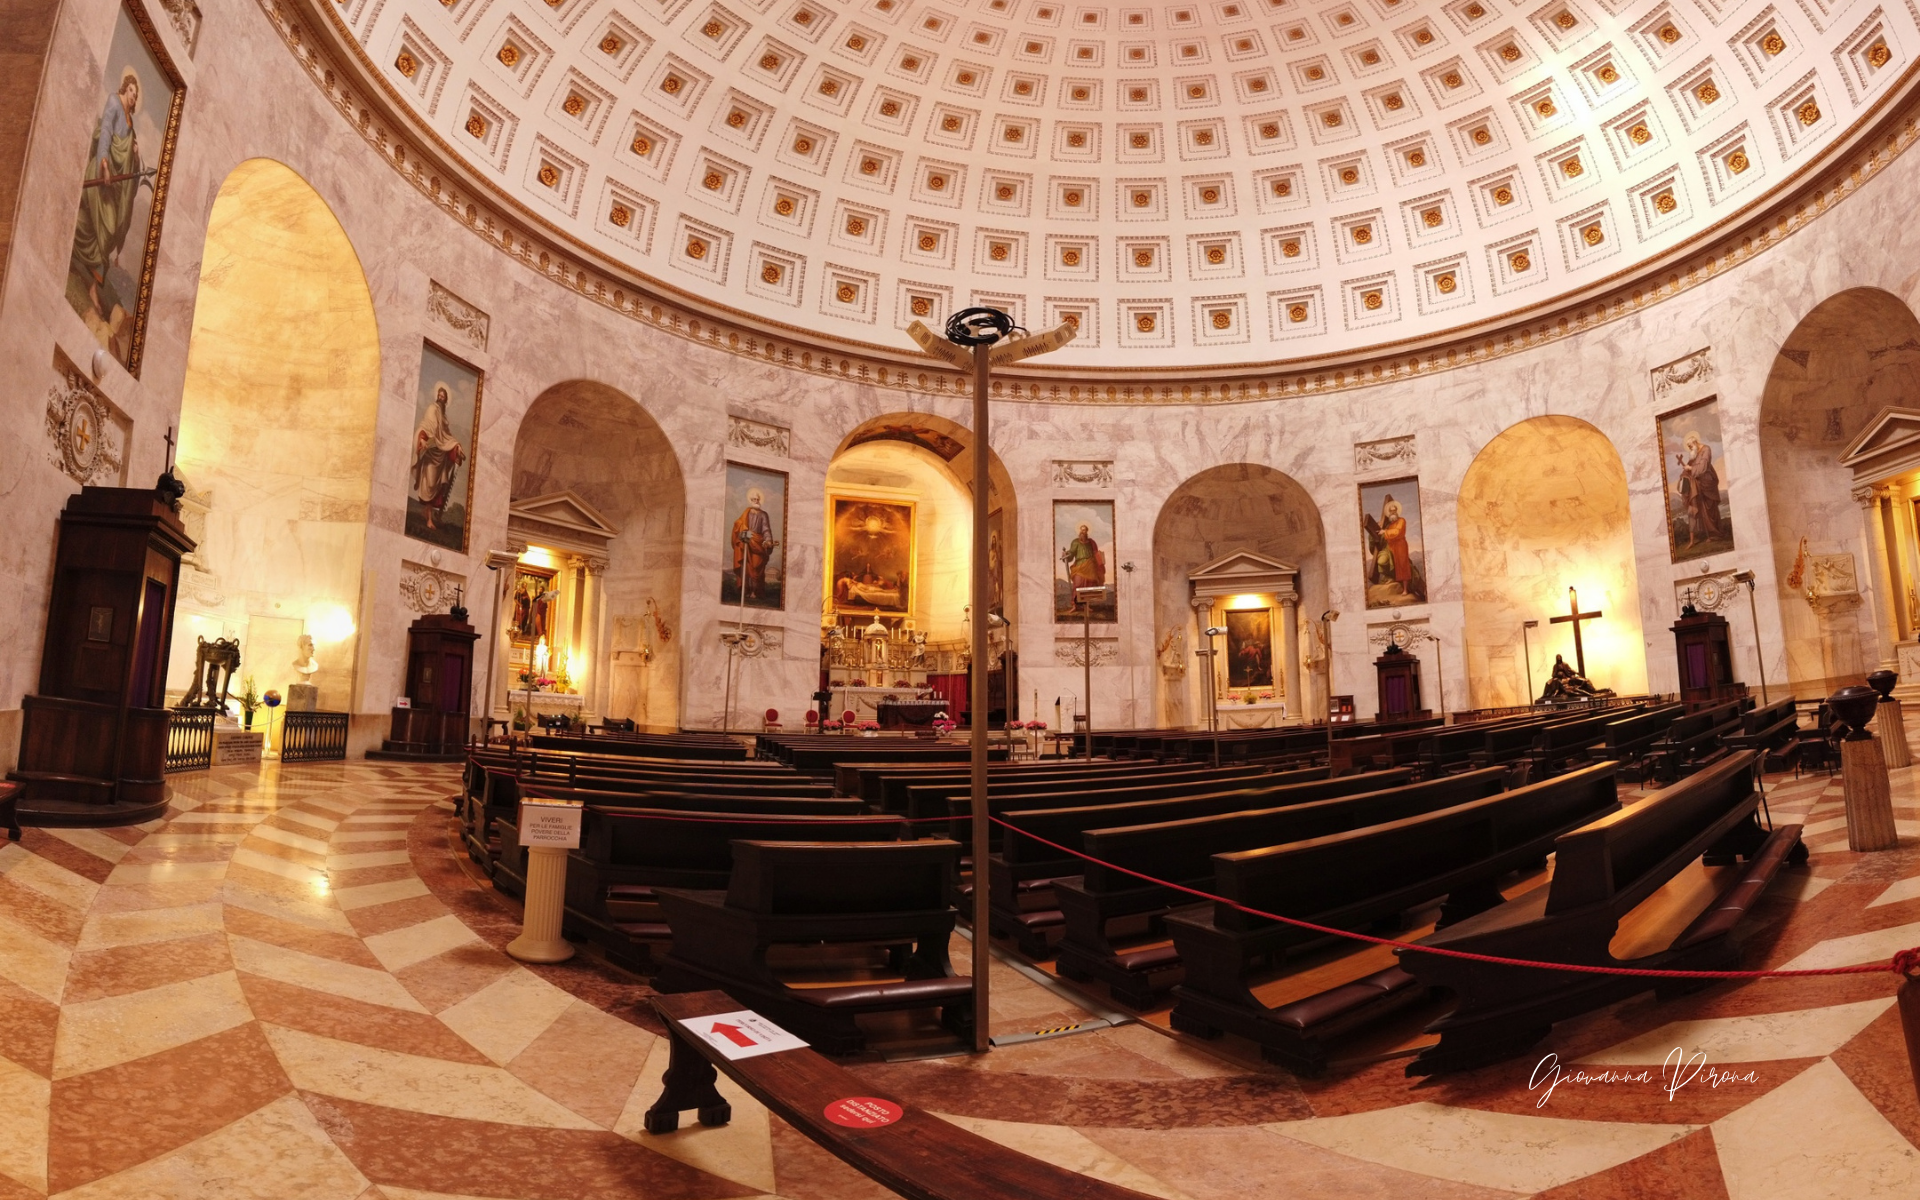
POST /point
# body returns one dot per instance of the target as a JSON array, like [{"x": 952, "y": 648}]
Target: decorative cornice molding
[
  {"x": 1882, "y": 135},
  {"x": 456, "y": 314}
]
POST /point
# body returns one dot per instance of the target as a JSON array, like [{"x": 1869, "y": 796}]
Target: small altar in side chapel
[
  {"x": 550, "y": 639},
  {"x": 886, "y": 659},
  {"x": 1254, "y": 602}
]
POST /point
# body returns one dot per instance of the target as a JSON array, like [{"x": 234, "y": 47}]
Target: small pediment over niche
[
  {"x": 562, "y": 521},
  {"x": 1243, "y": 572},
  {"x": 1889, "y": 445}
]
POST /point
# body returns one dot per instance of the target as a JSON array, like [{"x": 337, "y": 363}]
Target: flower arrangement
[
  {"x": 830, "y": 726},
  {"x": 1266, "y": 697},
  {"x": 869, "y": 727},
  {"x": 250, "y": 701},
  {"x": 858, "y": 683},
  {"x": 536, "y": 681},
  {"x": 520, "y": 722},
  {"x": 942, "y": 723},
  {"x": 1037, "y": 726}
]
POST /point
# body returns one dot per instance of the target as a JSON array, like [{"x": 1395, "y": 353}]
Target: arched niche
[
  {"x": 1834, "y": 551},
  {"x": 585, "y": 445},
  {"x": 1543, "y": 508},
  {"x": 1235, "y": 507},
  {"x": 927, "y": 462},
  {"x": 277, "y": 422}
]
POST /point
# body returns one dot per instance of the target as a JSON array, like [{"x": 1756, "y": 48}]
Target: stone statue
[
  {"x": 304, "y": 662},
  {"x": 304, "y": 696},
  {"x": 1567, "y": 684},
  {"x": 213, "y": 666}
]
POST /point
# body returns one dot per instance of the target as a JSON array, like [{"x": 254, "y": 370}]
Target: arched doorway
[
  {"x": 1237, "y": 507},
  {"x": 896, "y": 583},
  {"x": 276, "y": 436},
  {"x": 586, "y": 456},
  {"x": 1845, "y": 562},
  {"x": 1543, "y": 508}
]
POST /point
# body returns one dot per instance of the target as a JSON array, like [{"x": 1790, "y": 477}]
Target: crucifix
[
  {"x": 977, "y": 340},
  {"x": 169, "y": 441},
  {"x": 1576, "y": 616}
]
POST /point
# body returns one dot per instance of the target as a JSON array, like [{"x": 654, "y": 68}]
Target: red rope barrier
[{"x": 1905, "y": 963}]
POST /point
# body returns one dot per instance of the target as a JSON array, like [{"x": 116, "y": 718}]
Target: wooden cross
[
  {"x": 169, "y": 441},
  {"x": 1576, "y": 616}
]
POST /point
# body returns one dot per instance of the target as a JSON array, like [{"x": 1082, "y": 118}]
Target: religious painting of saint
[
  {"x": 1250, "y": 648},
  {"x": 755, "y": 561},
  {"x": 1083, "y": 552},
  {"x": 996, "y": 566},
  {"x": 440, "y": 456},
  {"x": 123, "y": 193},
  {"x": 530, "y": 609},
  {"x": 870, "y": 555},
  {"x": 1395, "y": 553},
  {"x": 1693, "y": 470}
]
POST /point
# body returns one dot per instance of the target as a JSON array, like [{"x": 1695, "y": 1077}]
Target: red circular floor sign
[{"x": 863, "y": 1112}]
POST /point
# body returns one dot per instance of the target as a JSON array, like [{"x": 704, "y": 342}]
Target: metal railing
[
  {"x": 313, "y": 736},
  {"x": 189, "y": 739}
]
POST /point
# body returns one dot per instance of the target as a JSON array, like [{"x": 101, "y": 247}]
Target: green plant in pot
[{"x": 250, "y": 702}]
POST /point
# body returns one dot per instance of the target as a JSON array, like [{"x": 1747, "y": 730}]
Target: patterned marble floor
[{"x": 292, "y": 987}]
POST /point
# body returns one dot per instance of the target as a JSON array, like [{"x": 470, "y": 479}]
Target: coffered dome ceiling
[{"x": 1208, "y": 184}]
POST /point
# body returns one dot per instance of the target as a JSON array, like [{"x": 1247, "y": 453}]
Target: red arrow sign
[{"x": 732, "y": 1033}]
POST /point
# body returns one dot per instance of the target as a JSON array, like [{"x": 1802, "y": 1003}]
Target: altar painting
[
  {"x": 1250, "y": 648},
  {"x": 754, "y": 560},
  {"x": 446, "y": 415},
  {"x": 1395, "y": 567},
  {"x": 1693, "y": 470},
  {"x": 871, "y": 552},
  {"x": 530, "y": 610}
]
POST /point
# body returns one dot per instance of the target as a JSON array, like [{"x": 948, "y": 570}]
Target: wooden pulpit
[
  {"x": 1705, "y": 655},
  {"x": 93, "y": 739},
  {"x": 1397, "y": 677},
  {"x": 434, "y": 725}
]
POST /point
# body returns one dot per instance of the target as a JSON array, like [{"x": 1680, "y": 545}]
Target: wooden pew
[
  {"x": 809, "y": 894},
  {"x": 1451, "y": 749},
  {"x": 919, "y": 1155},
  {"x": 1181, "y": 851},
  {"x": 884, "y": 784},
  {"x": 1348, "y": 881},
  {"x": 1023, "y": 873},
  {"x": 1602, "y": 870},
  {"x": 625, "y": 854},
  {"x": 1774, "y": 731},
  {"x": 898, "y": 794},
  {"x": 1629, "y": 739},
  {"x": 1695, "y": 740},
  {"x": 926, "y": 801},
  {"x": 690, "y": 746},
  {"x": 1564, "y": 743}
]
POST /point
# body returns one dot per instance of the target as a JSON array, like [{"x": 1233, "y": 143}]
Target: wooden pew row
[
  {"x": 896, "y": 792},
  {"x": 1182, "y": 851},
  {"x": 1695, "y": 740},
  {"x": 626, "y": 853},
  {"x": 1563, "y": 744},
  {"x": 928, "y": 801},
  {"x": 1774, "y": 731},
  {"x": 712, "y": 747},
  {"x": 1602, "y": 871},
  {"x": 818, "y": 755},
  {"x": 1452, "y": 749},
  {"x": 1024, "y": 905},
  {"x": 1025, "y": 872},
  {"x": 1629, "y": 739},
  {"x": 814, "y": 894},
  {"x": 918, "y": 1155},
  {"x": 1348, "y": 881},
  {"x": 883, "y": 785}
]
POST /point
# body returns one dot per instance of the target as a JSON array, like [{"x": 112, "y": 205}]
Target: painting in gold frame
[
  {"x": 530, "y": 608},
  {"x": 871, "y": 552},
  {"x": 123, "y": 190}
]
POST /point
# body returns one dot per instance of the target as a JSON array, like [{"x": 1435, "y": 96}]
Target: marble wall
[{"x": 539, "y": 333}]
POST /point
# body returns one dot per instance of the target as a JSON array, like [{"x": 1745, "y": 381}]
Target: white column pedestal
[{"x": 540, "y": 940}]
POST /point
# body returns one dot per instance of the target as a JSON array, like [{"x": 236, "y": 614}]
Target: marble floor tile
[
  {"x": 296, "y": 841},
  {"x": 379, "y": 893},
  {"x": 432, "y": 1086},
  {"x": 337, "y": 1017},
  {"x": 588, "y": 1060},
  {"x": 1802, "y": 1033},
  {"x": 116, "y": 1029},
  {"x": 1493, "y": 1150},
  {"x": 314, "y": 912},
  {"x": 33, "y": 962},
  {"x": 1069, "y": 1148},
  {"x": 358, "y": 836},
  {"x": 276, "y": 1152},
  {"x": 50, "y": 879},
  {"x": 741, "y": 1150},
  {"x": 401, "y": 948},
  {"x": 310, "y": 876},
  {"x": 1906, "y": 889},
  {"x": 329, "y": 975},
  {"x": 97, "y": 842},
  {"x": 368, "y": 858},
  {"x": 503, "y": 1018},
  {"x": 103, "y": 931},
  {"x": 1856, "y": 948},
  {"x": 25, "y": 1099},
  {"x": 167, "y": 872},
  {"x": 1816, "y": 1138},
  {"x": 310, "y": 820},
  {"x": 94, "y": 974},
  {"x": 1253, "y": 1163}
]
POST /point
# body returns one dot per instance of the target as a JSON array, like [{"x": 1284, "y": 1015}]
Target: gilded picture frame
[
  {"x": 144, "y": 94},
  {"x": 1084, "y": 556},
  {"x": 432, "y": 483},
  {"x": 1693, "y": 459},
  {"x": 755, "y": 540},
  {"x": 1393, "y": 559},
  {"x": 872, "y": 551}
]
